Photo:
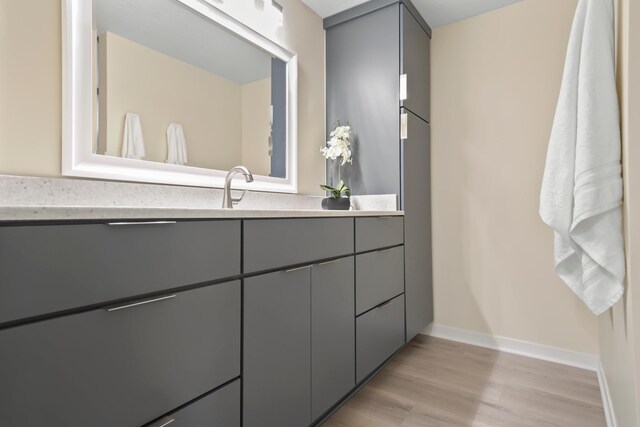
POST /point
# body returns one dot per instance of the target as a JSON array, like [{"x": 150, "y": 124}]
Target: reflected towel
[
  {"x": 176, "y": 145},
  {"x": 132, "y": 141},
  {"x": 581, "y": 193}
]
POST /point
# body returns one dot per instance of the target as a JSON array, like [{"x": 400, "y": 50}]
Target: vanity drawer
[
  {"x": 379, "y": 232},
  {"x": 120, "y": 367},
  {"x": 275, "y": 243},
  {"x": 379, "y": 276},
  {"x": 379, "y": 334},
  {"x": 49, "y": 268},
  {"x": 218, "y": 409}
]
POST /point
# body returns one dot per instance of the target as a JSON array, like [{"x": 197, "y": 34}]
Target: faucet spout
[{"x": 227, "y": 200}]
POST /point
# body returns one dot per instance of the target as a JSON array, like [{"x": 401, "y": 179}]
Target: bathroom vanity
[
  {"x": 124, "y": 305},
  {"x": 252, "y": 318}
]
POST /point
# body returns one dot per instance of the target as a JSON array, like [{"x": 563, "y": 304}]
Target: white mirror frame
[{"x": 78, "y": 158}]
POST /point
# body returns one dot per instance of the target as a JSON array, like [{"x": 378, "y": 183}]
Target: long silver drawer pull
[
  {"x": 163, "y": 422},
  {"x": 135, "y": 304},
  {"x": 291, "y": 270},
  {"x": 328, "y": 262},
  {"x": 386, "y": 303},
  {"x": 142, "y": 223}
]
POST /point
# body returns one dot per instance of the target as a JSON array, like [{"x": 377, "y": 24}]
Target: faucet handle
[{"x": 235, "y": 200}]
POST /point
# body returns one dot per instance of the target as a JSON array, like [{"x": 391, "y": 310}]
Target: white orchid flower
[{"x": 338, "y": 146}]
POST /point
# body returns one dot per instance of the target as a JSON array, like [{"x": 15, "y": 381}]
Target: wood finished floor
[{"x": 435, "y": 382}]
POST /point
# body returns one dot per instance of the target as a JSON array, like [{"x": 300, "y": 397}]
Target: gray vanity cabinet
[
  {"x": 277, "y": 349},
  {"x": 332, "y": 333},
  {"x": 299, "y": 343},
  {"x": 370, "y": 49},
  {"x": 259, "y": 322}
]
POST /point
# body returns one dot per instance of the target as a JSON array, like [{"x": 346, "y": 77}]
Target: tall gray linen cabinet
[{"x": 378, "y": 81}]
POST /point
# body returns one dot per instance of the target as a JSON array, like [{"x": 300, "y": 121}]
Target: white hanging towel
[
  {"x": 132, "y": 141},
  {"x": 581, "y": 193},
  {"x": 176, "y": 145}
]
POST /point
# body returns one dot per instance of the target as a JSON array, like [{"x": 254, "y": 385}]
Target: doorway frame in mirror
[{"x": 78, "y": 158}]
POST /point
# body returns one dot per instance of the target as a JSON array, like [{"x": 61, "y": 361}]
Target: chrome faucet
[{"x": 227, "y": 200}]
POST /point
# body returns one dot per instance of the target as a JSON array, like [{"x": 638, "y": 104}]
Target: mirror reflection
[{"x": 174, "y": 87}]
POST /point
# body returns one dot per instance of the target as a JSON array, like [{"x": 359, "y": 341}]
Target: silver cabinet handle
[
  {"x": 291, "y": 270},
  {"x": 141, "y": 223},
  {"x": 404, "y": 118},
  {"x": 162, "y": 422},
  {"x": 403, "y": 87},
  {"x": 135, "y": 304},
  {"x": 385, "y": 304},
  {"x": 329, "y": 262}
]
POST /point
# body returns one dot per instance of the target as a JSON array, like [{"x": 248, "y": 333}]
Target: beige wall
[
  {"x": 30, "y": 89},
  {"x": 163, "y": 90},
  {"x": 30, "y": 84},
  {"x": 256, "y": 99},
  {"x": 619, "y": 329},
  {"x": 495, "y": 83}
]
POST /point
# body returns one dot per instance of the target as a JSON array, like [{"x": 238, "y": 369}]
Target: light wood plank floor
[{"x": 435, "y": 382}]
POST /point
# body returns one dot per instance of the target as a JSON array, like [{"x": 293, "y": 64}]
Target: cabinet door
[
  {"x": 277, "y": 349},
  {"x": 363, "y": 80},
  {"x": 416, "y": 65},
  {"x": 332, "y": 333},
  {"x": 417, "y": 239}
]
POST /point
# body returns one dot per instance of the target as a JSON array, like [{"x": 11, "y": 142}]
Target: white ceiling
[
  {"x": 169, "y": 27},
  {"x": 436, "y": 12}
]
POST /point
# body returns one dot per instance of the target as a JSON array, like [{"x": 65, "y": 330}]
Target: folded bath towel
[
  {"x": 581, "y": 193},
  {"x": 176, "y": 145},
  {"x": 132, "y": 141}
]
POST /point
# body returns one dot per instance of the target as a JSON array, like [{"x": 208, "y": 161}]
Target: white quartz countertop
[
  {"x": 60, "y": 199},
  {"x": 78, "y": 213}
]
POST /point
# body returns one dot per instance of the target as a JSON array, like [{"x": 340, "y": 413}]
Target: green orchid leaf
[{"x": 335, "y": 193}]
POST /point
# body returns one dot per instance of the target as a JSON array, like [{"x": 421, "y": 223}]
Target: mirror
[{"x": 179, "y": 93}]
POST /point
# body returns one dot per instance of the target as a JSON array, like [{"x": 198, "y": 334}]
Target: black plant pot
[{"x": 339, "y": 204}]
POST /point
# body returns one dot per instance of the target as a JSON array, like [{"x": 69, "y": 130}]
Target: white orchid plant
[{"x": 338, "y": 149}]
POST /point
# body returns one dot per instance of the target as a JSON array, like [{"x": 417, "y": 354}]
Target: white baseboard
[
  {"x": 607, "y": 403},
  {"x": 510, "y": 345},
  {"x": 536, "y": 351}
]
